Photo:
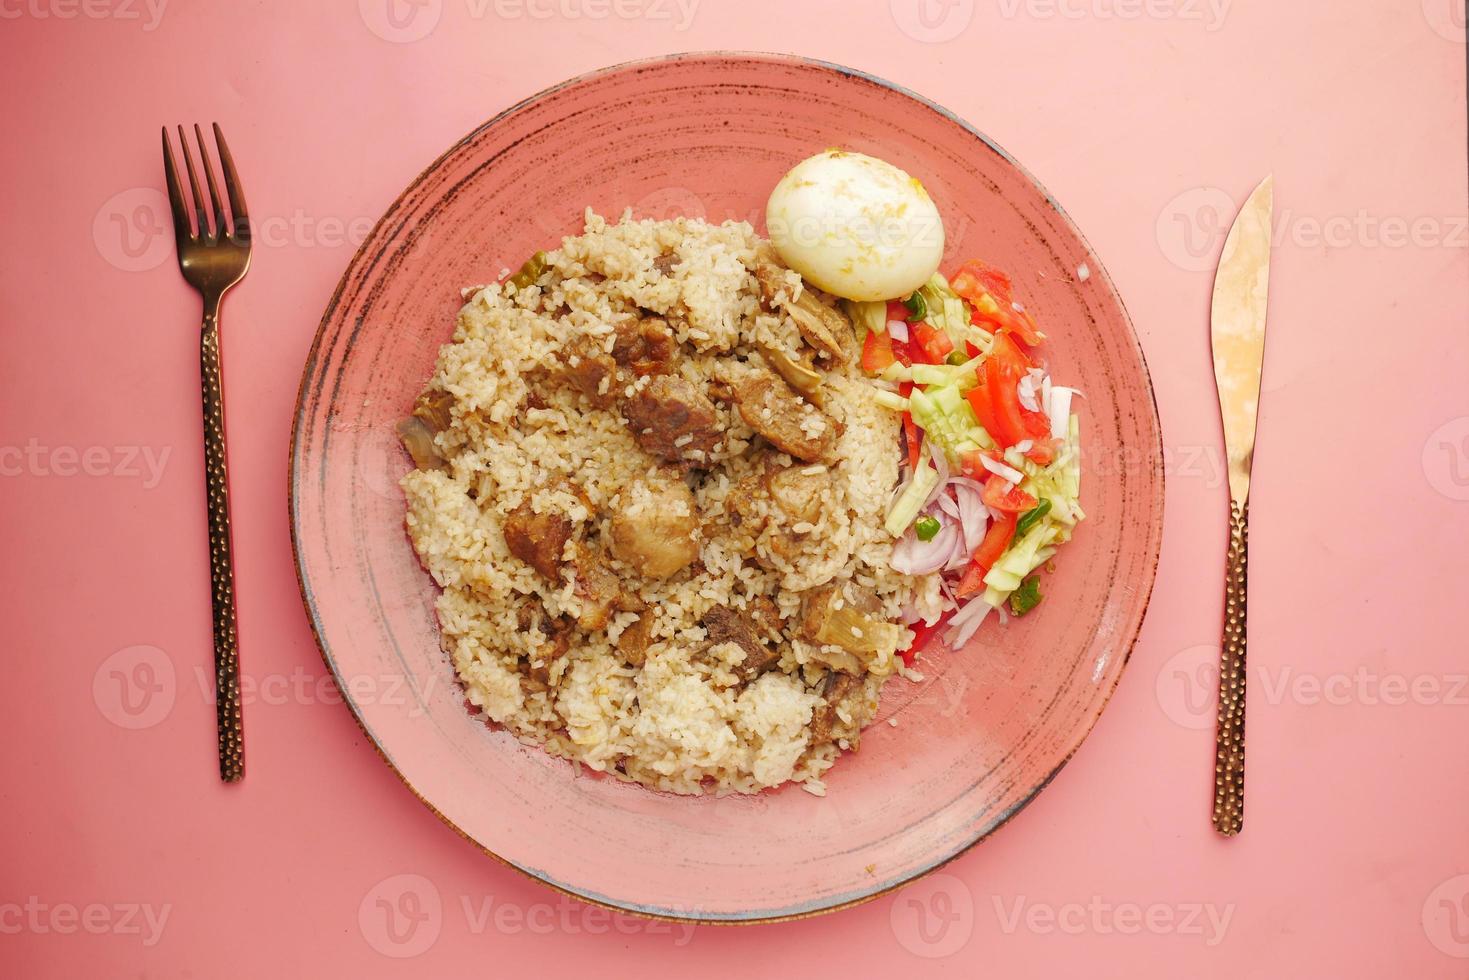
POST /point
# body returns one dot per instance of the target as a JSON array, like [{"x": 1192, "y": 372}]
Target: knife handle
[{"x": 1229, "y": 744}]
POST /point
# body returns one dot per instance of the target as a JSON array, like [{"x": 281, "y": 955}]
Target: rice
[{"x": 681, "y": 717}]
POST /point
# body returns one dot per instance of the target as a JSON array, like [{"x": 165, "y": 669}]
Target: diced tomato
[
  {"x": 1003, "y": 316},
  {"x": 933, "y": 343},
  {"x": 988, "y": 290},
  {"x": 1037, "y": 424},
  {"x": 897, "y": 311},
  {"x": 972, "y": 350},
  {"x": 973, "y": 468},
  {"x": 1043, "y": 453},
  {"x": 902, "y": 350},
  {"x": 877, "y": 352},
  {"x": 976, "y": 272},
  {"x": 914, "y": 440},
  {"x": 973, "y": 581},
  {"x": 1001, "y": 378},
  {"x": 1001, "y": 495},
  {"x": 1009, "y": 352},
  {"x": 996, "y": 540},
  {"x": 984, "y": 409},
  {"x": 921, "y": 632}
]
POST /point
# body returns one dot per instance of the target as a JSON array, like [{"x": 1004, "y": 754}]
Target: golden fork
[{"x": 214, "y": 254}]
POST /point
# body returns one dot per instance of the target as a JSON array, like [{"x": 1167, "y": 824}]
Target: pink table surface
[{"x": 122, "y": 855}]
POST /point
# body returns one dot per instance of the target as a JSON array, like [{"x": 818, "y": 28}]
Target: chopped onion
[
  {"x": 1024, "y": 446},
  {"x": 1026, "y": 392},
  {"x": 1059, "y": 409},
  {"x": 914, "y": 557},
  {"x": 940, "y": 463},
  {"x": 966, "y": 621},
  {"x": 898, "y": 330},
  {"x": 972, "y": 513},
  {"x": 960, "y": 557},
  {"x": 1001, "y": 470}
]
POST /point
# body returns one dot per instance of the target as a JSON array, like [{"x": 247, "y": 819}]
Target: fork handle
[
  {"x": 1229, "y": 744},
  {"x": 221, "y": 557}
]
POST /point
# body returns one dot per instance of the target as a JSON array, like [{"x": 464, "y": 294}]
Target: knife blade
[{"x": 1237, "y": 335}]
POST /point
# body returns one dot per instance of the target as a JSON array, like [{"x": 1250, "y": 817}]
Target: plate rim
[{"x": 294, "y": 475}]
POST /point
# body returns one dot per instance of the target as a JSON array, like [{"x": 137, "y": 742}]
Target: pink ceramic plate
[{"x": 708, "y": 135}]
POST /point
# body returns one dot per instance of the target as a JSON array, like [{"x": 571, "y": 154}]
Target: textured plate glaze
[{"x": 708, "y": 135}]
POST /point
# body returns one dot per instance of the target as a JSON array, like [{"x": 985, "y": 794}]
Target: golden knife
[{"x": 1237, "y": 330}]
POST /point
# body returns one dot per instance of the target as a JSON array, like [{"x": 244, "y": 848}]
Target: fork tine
[
  {"x": 194, "y": 184},
  {"x": 175, "y": 192},
  {"x": 231, "y": 181},
  {"x": 214, "y": 199}
]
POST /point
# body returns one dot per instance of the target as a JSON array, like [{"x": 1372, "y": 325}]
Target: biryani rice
[{"x": 683, "y": 721}]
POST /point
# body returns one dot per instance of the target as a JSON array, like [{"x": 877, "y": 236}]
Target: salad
[
  {"x": 992, "y": 474},
  {"x": 993, "y": 465}
]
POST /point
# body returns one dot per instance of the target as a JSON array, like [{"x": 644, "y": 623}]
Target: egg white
[{"x": 856, "y": 226}]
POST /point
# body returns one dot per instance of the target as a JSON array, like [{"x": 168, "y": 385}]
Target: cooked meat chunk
[
  {"x": 797, "y": 372},
  {"x": 672, "y": 419},
  {"x": 589, "y": 370},
  {"x": 537, "y": 539},
  {"x": 848, "y": 618},
  {"x": 599, "y": 589},
  {"x": 418, "y": 438},
  {"x": 653, "y": 527},
  {"x": 765, "y": 615},
  {"x": 666, "y": 263},
  {"x": 644, "y": 346},
  {"x": 836, "y": 688},
  {"x": 824, "y": 328},
  {"x": 800, "y": 494},
  {"x": 725, "y": 625},
  {"x": 558, "y": 640},
  {"x": 433, "y": 408},
  {"x": 771, "y": 408},
  {"x": 632, "y": 643}
]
